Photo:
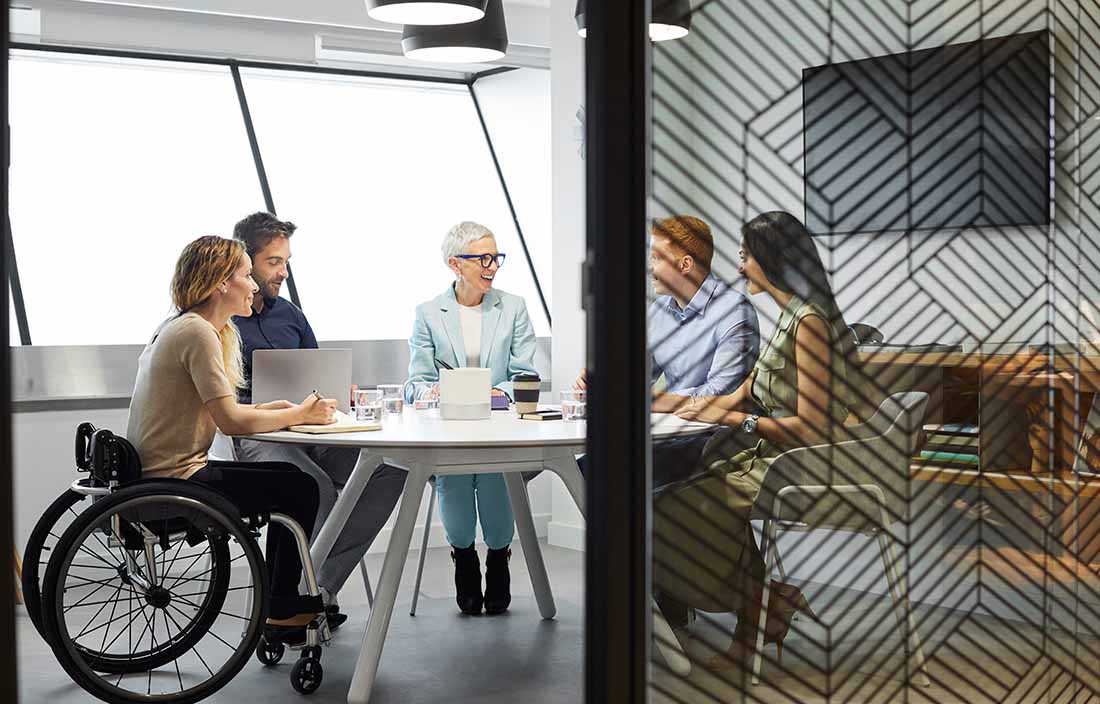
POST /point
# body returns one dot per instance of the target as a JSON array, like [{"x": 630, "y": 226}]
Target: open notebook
[{"x": 344, "y": 424}]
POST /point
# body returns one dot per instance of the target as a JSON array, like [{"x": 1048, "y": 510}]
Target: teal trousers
[{"x": 465, "y": 498}]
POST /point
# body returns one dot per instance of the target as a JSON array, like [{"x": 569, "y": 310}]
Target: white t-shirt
[{"x": 471, "y": 333}]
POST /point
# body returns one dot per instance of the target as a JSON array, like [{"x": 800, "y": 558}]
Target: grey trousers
[{"x": 331, "y": 467}]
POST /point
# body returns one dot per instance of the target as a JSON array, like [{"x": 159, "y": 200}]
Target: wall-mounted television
[{"x": 951, "y": 137}]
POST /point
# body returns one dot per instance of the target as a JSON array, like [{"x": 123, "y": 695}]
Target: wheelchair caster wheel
[
  {"x": 269, "y": 653},
  {"x": 306, "y": 675}
]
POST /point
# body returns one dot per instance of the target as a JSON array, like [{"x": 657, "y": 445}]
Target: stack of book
[{"x": 950, "y": 445}]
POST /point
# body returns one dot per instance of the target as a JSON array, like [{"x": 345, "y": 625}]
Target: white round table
[{"x": 425, "y": 445}]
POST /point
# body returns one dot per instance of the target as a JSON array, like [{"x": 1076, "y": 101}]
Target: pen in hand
[{"x": 440, "y": 363}]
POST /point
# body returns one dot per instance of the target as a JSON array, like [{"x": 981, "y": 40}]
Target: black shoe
[
  {"x": 467, "y": 580},
  {"x": 334, "y": 616},
  {"x": 497, "y": 581}
]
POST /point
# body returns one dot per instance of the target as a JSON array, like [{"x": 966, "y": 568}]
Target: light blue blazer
[{"x": 507, "y": 341}]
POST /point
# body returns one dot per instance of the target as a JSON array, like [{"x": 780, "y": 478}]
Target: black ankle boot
[
  {"x": 467, "y": 580},
  {"x": 497, "y": 581}
]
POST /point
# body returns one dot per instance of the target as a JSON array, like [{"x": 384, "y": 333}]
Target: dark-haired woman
[{"x": 801, "y": 380}]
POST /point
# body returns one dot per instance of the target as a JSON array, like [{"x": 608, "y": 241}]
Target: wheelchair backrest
[{"x": 106, "y": 456}]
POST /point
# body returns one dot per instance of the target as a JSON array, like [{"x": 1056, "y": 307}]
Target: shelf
[{"x": 1062, "y": 483}]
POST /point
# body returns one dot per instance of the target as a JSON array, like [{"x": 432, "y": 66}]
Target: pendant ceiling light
[
  {"x": 473, "y": 42},
  {"x": 671, "y": 19},
  {"x": 426, "y": 12}
]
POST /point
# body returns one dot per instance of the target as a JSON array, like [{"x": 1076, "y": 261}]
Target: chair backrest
[
  {"x": 877, "y": 453},
  {"x": 109, "y": 457},
  {"x": 222, "y": 448}
]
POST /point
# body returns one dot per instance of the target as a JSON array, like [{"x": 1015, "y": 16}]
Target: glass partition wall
[
  {"x": 118, "y": 162},
  {"x": 899, "y": 505}
]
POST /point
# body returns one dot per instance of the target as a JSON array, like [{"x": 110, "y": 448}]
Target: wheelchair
[{"x": 156, "y": 589}]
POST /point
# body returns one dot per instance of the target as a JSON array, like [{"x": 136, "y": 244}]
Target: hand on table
[
  {"x": 708, "y": 413},
  {"x": 317, "y": 411},
  {"x": 498, "y": 393}
]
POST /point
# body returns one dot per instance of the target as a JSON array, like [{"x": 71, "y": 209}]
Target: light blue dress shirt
[{"x": 709, "y": 347}]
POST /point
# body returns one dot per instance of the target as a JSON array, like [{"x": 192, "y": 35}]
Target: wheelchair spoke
[
  {"x": 200, "y": 574},
  {"x": 86, "y": 581},
  {"x": 188, "y": 569},
  {"x": 227, "y": 589},
  {"x": 97, "y": 613},
  {"x": 133, "y": 611},
  {"x": 201, "y": 658},
  {"x": 212, "y": 633},
  {"x": 110, "y": 619},
  {"x": 85, "y": 597},
  {"x": 82, "y": 549},
  {"x": 196, "y": 606},
  {"x": 165, "y": 569}
]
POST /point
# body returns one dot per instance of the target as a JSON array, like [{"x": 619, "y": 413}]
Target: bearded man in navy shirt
[{"x": 276, "y": 323}]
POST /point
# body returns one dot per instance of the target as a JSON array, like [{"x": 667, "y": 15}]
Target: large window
[
  {"x": 116, "y": 165},
  {"x": 374, "y": 173},
  {"x": 516, "y": 107}
]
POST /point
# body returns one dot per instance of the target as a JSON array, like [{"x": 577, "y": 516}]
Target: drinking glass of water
[
  {"x": 368, "y": 405},
  {"x": 392, "y": 399},
  {"x": 573, "y": 405}
]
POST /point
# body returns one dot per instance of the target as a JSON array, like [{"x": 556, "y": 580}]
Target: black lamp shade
[
  {"x": 426, "y": 12},
  {"x": 473, "y": 42},
  {"x": 670, "y": 19}
]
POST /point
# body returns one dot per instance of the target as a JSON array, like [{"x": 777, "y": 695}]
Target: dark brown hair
[{"x": 258, "y": 229}]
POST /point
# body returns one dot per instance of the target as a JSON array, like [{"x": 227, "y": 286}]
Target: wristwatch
[{"x": 749, "y": 424}]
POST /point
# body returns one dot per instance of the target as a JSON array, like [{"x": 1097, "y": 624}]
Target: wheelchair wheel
[
  {"x": 40, "y": 545},
  {"x": 140, "y": 599}
]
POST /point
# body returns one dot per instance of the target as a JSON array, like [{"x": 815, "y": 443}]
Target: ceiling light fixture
[
  {"x": 473, "y": 42},
  {"x": 671, "y": 19},
  {"x": 426, "y": 12}
]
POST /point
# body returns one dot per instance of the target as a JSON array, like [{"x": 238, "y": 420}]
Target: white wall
[{"x": 568, "y": 344}]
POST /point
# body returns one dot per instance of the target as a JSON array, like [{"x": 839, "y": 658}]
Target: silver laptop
[{"x": 293, "y": 374}]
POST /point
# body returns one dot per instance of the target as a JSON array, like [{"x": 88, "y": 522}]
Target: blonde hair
[
  {"x": 688, "y": 234},
  {"x": 202, "y": 266}
]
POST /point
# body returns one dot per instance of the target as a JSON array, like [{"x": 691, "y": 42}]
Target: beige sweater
[{"x": 179, "y": 371}]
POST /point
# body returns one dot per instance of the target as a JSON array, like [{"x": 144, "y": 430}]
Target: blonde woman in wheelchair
[
  {"x": 186, "y": 387},
  {"x": 704, "y": 548}
]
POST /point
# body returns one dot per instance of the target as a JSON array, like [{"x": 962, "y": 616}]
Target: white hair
[{"x": 462, "y": 236}]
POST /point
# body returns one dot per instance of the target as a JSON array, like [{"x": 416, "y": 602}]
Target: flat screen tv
[{"x": 952, "y": 137}]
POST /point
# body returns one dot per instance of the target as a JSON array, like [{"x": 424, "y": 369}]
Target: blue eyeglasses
[{"x": 486, "y": 259}]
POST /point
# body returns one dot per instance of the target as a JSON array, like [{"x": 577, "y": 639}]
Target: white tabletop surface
[{"x": 502, "y": 429}]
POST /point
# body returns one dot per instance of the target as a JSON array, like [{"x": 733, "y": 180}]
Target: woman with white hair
[{"x": 473, "y": 325}]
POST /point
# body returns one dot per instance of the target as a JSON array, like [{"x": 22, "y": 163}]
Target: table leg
[
  {"x": 532, "y": 553},
  {"x": 362, "y": 680},
  {"x": 566, "y": 468},
  {"x": 667, "y": 644},
  {"x": 345, "y": 504}
]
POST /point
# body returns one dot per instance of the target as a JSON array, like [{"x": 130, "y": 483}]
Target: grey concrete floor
[
  {"x": 438, "y": 656},
  {"x": 855, "y": 655}
]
